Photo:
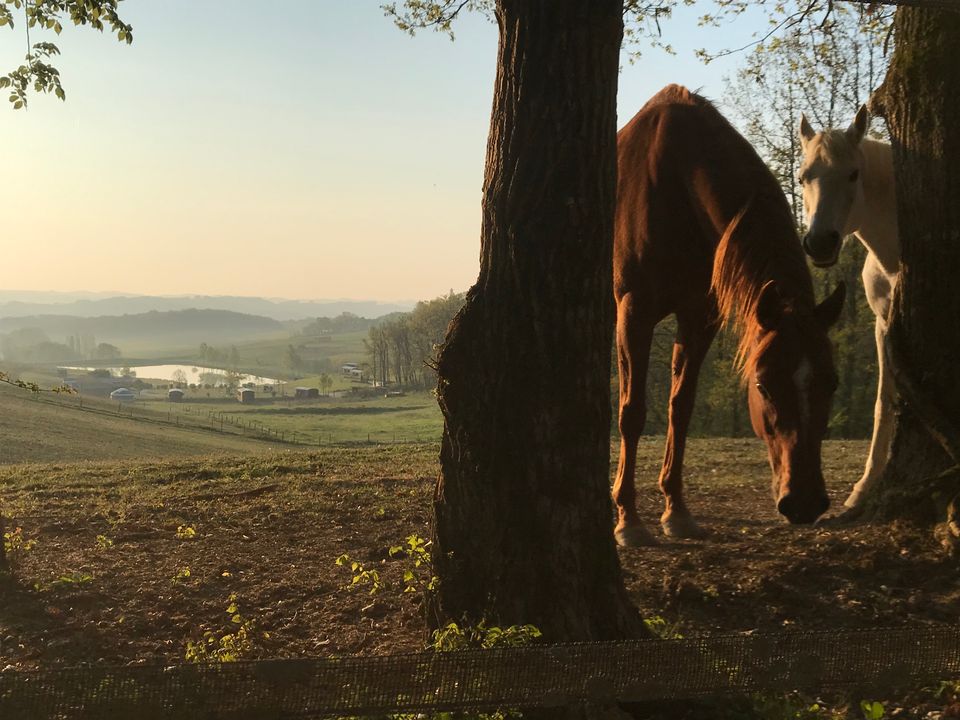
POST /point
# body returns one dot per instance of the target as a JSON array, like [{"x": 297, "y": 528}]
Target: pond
[{"x": 190, "y": 374}]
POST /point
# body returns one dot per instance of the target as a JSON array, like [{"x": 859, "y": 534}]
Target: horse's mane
[
  {"x": 759, "y": 244},
  {"x": 749, "y": 255}
]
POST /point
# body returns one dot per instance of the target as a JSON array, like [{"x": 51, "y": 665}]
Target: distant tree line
[
  {"x": 33, "y": 345},
  {"x": 402, "y": 347},
  {"x": 343, "y": 323}
]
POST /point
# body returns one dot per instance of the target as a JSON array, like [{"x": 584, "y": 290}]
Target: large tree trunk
[
  {"x": 920, "y": 99},
  {"x": 523, "y": 515}
]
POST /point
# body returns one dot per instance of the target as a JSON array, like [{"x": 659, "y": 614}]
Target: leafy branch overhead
[
  {"x": 50, "y": 15},
  {"x": 645, "y": 19}
]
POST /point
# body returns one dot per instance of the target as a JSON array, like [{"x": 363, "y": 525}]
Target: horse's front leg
[
  {"x": 693, "y": 340},
  {"x": 634, "y": 335},
  {"x": 883, "y": 424}
]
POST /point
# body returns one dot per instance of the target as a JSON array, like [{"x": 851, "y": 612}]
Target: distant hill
[
  {"x": 19, "y": 304},
  {"x": 179, "y": 328}
]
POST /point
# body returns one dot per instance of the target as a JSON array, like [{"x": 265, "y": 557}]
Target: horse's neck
[{"x": 877, "y": 227}]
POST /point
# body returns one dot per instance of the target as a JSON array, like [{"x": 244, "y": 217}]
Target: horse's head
[
  {"x": 791, "y": 381},
  {"x": 832, "y": 187}
]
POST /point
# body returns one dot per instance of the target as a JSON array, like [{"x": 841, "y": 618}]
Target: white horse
[{"x": 848, "y": 189}]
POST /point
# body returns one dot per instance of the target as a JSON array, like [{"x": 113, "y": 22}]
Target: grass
[
  {"x": 397, "y": 419},
  {"x": 64, "y": 428},
  {"x": 54, "y": 429}
]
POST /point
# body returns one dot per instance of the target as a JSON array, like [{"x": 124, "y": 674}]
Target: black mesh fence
[{"x": 538, "y": 676}]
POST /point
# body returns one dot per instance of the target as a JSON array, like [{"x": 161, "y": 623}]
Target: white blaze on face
[{"x": 801, "y": 378}]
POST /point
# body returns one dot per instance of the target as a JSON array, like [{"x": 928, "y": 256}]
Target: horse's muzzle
[
  {"x": 802, "y": 510},
  {"x": 823, "y": 249}
]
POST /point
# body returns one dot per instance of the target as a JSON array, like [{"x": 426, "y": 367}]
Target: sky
[{"x": 301, "y": 149}]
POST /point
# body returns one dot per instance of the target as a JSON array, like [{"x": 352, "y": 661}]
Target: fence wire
[{"x": 538, "y": 676}]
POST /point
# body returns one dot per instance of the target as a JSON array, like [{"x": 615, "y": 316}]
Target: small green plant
[
  {"x": 186, "y": 532},
  {"x": 872, "y": 710},
  {"x": 361, "y": 575},
  {"x": 659, "y": 627},
  {"x": 460, "y": 637},
  {"x": 104, "y": 543},
  {"x": 418, "y": 576},
  {"x": 455, "y": 637},
  {"x": 182, "y": 573},
  {"x": 14, "y": 542},
  {"x": 228, "y": 647},
  {"x": 74, "y": 577}
]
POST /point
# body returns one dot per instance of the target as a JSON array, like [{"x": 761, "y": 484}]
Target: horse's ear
[
  {"x": 828, "y": 312},
  {"x": 807, "y": 133},
  {"x": 769, "y": 306},
  {"x": 858, "y": 128}
]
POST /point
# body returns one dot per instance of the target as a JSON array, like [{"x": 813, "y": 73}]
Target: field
[
  {"x": 134, "y": 560},
  {"x": 52, "y": 427},
  {"x": 48, "y": 428},
  {"x": 414, "y": 416}
]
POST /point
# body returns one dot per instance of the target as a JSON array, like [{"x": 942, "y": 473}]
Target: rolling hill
[
  {"x": 64, "y": 304},
  {"x": 175, "y": 328},
  {"x": 37, "y": 430}
]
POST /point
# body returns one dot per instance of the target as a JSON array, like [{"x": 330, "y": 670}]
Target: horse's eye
[
  {"x": 854, "y": 175},
  {"x": 763, "y": 391}
]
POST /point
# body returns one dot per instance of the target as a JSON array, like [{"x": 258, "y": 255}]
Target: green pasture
[
  {"x": 396, "y": 419},
  {"x": 411, "y": 417},
  {"x": 52, "y": 428}
]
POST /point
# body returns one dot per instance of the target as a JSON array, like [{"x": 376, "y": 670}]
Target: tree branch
[{"x": 932, "y": 4}]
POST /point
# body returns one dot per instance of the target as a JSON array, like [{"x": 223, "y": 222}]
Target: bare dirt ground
[{"x": 131, "y": 562}]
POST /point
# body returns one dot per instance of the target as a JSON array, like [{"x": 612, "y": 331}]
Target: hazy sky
[{"x": 301, "y": 149}]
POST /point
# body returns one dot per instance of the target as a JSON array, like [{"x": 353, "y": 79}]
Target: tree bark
[
  {"x": 523, "y": 519},
  {"x": 920, "y": 99}
]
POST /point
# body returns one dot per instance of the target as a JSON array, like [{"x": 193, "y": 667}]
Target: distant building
[
  {"x": 123, "y": 395},
  {"x": 246, "y": 395},
  {"x": 349, "y": 369},
  {"x": 175, "y": 395}
]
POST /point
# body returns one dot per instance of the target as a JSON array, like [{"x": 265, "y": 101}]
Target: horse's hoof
[
  {"x": 677, "y": 525},
  {"x": 846, "y": 517},
  {"x": 633, "y": 536},
  {"x": 854, "y": 501}
]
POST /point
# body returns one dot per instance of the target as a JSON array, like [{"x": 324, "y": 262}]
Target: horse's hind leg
[
  {"x": 634, "y": 334},
  {"x": 695, "y": 332}
]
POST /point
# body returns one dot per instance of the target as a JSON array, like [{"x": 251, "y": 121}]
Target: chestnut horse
[
  {"x": 703, "y": 231},
  {"x": 849, "y": 189}
]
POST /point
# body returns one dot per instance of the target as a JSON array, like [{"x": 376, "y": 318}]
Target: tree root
[{"x": 948, "y": 532}]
